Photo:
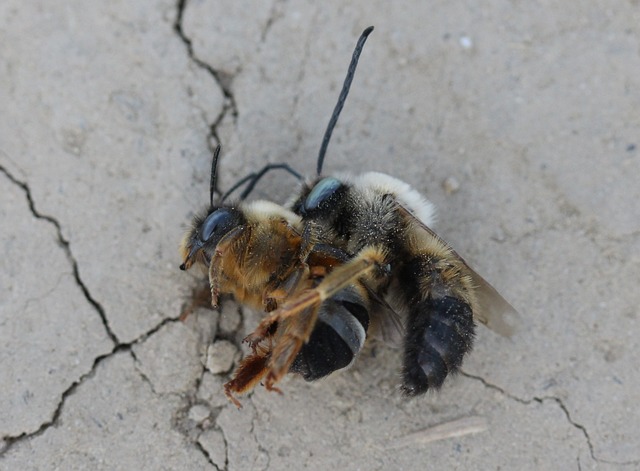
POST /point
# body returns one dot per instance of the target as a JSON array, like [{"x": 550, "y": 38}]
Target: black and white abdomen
[{"x": 337, "y": 338}]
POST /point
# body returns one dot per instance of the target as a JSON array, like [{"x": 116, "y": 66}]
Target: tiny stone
[
  {"x": 451, "y": 185},
  {"x": 499, "y": 235},
  {"x": 466, "y": 42},
  {"x": 198, "y": 413},
  {"x": 220, "y": 356},
  {"x": 386, "y": 386},
  {"x": 213, "y": 442}
]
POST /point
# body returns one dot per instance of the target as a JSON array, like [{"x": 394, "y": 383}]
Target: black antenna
[
  {"x": 214, "y": 171},
  {"x": 254, "y": 177},
  {"x": 262, "y": 172},
  {"x": 343, "y": 96}
]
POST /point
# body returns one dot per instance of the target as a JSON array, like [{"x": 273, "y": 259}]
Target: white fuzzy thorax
[
  {"x": 408, "y": 197},
  {"x": 261, "y": 209}
]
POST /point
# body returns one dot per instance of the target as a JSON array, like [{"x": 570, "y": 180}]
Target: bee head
[
  {"x": 321, "y": 198},
  {"x": 324, "y": 197},
  {"x": 200, "y": 242}
]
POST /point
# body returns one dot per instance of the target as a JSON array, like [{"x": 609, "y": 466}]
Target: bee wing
[
  {"x": 386, "y": 324},
  {"x": 494, "y": 311}
]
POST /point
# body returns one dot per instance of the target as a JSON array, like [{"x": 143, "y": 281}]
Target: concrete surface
[{"x": 520, "y": 120}]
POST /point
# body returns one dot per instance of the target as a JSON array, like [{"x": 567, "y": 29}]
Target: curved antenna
[
  {"x": 254, "y": 177},
  {"x": 343, "y": 96},
  {"x": 262, "y": 172},
  {"x": 214, "y": 172},
  {"x": 237, "y": 185}
]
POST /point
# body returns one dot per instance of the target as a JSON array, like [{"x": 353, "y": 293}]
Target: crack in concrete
[
  {"x": 190, "y": 399},
  {"x": 229, "y": 107},
  {"x": 142, "y": 375},
  {"x": 562, "y": 406},
  {"x": 64, "y": 243},
  {"x": 252, "y": 433},
  {"x": 274, "y": 15},
  {"x": 221, "y": 79},
  {"x": 226, "y": 449},
  {"x": 206, "y": 454},
  {"x": 180, "y": 421},
  {"x": 10, "y": 441}
]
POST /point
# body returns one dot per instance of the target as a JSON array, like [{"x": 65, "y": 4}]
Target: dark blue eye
[
  {"x": 323, "y": 190},
  {"x": 220, "y": 218}
]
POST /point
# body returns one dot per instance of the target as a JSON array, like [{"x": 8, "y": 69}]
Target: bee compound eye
[
  {"x": 219, "y": 219},
  {"x": 323, "y": 191}
]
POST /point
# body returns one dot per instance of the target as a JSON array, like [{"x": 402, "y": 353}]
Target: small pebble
[
  {"x": 451, "y": 185},
  {"x": 466, "y": 42},
  {"x": 198, "y": 413},
  {"x": 220, "y": 356},
  {"x": 499, "y": 235}
]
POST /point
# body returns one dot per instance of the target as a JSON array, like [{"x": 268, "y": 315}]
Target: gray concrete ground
[{"x": 520, "y": 120}]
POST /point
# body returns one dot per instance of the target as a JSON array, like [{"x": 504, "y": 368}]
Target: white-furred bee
[{"x": 347, "y": 256}]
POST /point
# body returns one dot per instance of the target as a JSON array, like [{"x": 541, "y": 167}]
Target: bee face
[{"x": 200, "y": 242}]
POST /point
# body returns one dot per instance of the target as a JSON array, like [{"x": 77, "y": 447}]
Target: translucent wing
[
  {"x": 493, "y": 310},
  {"x": 386, "y": 324}
]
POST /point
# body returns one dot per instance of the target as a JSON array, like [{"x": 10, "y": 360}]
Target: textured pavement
[{"x": 520, "y": 121}]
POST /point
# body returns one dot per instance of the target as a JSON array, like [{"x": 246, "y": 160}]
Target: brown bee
[
  {"x": 251, "y": 250},
  {"x": 347, "y": 257},
  {"x": 261, "y": 254}
]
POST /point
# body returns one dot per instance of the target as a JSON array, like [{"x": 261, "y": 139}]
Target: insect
[{"x": 345, "y": 257}]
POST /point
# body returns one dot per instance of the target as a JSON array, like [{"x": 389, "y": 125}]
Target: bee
[
  {"x": 345, "y": 258},
  {"x": 261, "y": 253}
]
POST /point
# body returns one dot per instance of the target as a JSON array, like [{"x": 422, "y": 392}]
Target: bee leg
[
  {"x": 440, "y": 328},
  {"x": 215, "y": 269},
  {"x": 298, "y": 317},
  {"x": 290, "y": 274},
  {"x": 279, "y": 289},
  {"x": 200, "y": 298},
  {"x": 248, "y": 374},
  {"x": 266, "y": 326},
  {"x": 294, "y": 333},
  {"x": 224, "y": 247},
  {"x": 320, "y": 254}
]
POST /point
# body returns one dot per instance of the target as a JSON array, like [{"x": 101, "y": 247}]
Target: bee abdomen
[
  {"x": 337, "y": 337},
  {"x": 440, "y": 332}
]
